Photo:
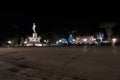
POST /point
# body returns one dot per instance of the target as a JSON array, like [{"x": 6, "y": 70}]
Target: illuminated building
[{"x": 85, "y": 40}]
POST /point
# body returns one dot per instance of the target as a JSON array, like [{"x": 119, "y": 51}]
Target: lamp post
[
  {"x": 9, "y": 42},
  {"x": 114, "y": 41}
]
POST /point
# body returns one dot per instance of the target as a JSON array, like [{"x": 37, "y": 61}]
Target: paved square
[{"x": 60, "y": 63}]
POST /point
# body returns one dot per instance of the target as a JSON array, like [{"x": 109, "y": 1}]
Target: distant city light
[
  {"x": 100, "y": 37},
  {"x": 29, "y": 44},
  {"x": 57, "y": 42},
  {"x": 9, "y": 42},
  {"x": 60, "y": 40},
  {"x": 64, "y": 41},
  {"x": 70, "y": 38},
  {"x": 114, "y": 40},
  {"x": 45, "y": 40},
  {"x": 73, "y": 39},
  {"x": 38, "y": 44},
  {"x": 25, "y": 42},
  {"x": 94, "y": 39},
  {"x": 84, "y": 40}
]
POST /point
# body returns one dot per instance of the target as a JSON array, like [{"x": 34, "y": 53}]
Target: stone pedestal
[{"x": 34, "y": 35}]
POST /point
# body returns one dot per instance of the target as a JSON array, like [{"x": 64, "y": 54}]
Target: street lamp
[
  {"x": 74, "y": 40},
  {"x": 9, "y": 42},
  {"x": 114, "y": 41},
  {"x": 94, "y": 39},
  {"x": 84, "y": 40},
  {"x": 25, "y": 42},
  {"x": 60, "y": 41},
  {"x": 45, "y": 40},
  {"x": 57, "y": 42}
]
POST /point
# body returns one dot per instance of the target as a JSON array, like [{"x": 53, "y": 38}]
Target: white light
[
  {"x": 94, "y": 39},
  {"x": 38, "y": 44},
  {"x": 29, "y": 44},
  {"x": 9, "y": 42},
  {"x": 25, "y": 42},
  {"x": 45, "y": 40},
  {"x": 60, "y": 40},
  {"x": 57, "y": 42},
  {"x": 84, "y": 40},
  {"x": 73, "y": 39},
  {"x": 114, "y": 40}
]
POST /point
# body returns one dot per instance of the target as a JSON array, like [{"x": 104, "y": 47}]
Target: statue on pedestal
[
  {"x": 34, "y": 34},
  {"x": 34, "y": 27},
  {"x": 33, "y": 40}
]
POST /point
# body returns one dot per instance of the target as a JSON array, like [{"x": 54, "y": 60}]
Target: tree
[
  {"x": 22, "y": 41},
  {"x": 108, "y": 27},
  {"x": 44, "y": 36},
  {"x": 53, "y": 37},
  {"x": 14, "y": 41}
]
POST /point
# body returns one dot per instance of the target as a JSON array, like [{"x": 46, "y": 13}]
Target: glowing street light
[
  {"x": 45, "y": 40},
  {"x": 84, "y": 40},
  {"x": 60, "y": 40},
  {"x": 74, "y": 40},
  {"x": 94, "y": 39},
  {"x": 9, "y": 42},
  {"x": 57, "y": 42},
  {"x": 25, "y": 42},
  {"x": 114, "y": 40}
]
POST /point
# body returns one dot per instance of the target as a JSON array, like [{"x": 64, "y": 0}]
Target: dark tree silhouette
[{"x": 108, "y": 27}]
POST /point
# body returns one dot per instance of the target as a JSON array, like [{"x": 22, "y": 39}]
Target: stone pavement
[{"x": 68, "y": 63}]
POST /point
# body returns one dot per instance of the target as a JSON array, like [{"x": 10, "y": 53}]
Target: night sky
[{"x": 19, "y": 23}]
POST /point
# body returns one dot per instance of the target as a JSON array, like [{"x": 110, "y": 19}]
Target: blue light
[
  {"x": 70, "y": 38},
  {"x": 100, "y": 37},
  {"x": 64, "y": 40}
]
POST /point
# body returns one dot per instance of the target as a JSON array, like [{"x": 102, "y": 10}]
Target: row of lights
[
  {"x": 114, "y": 40},
  {"x": 61, "y": 41}
]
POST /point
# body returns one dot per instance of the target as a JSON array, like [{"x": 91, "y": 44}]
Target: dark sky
[{"x": 19, "y": 23}]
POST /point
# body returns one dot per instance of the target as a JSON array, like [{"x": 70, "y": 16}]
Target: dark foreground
[{"x": 60, "y": 63}]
